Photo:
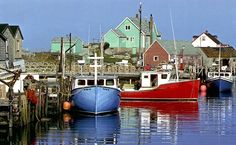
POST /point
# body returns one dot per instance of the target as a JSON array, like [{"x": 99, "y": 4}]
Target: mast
[
  {"x": 176, "y": 61},
  {"x": 140, "y": 32},
  {"x": 95, "y": 58},
  {"x": 219, "y": 59}
]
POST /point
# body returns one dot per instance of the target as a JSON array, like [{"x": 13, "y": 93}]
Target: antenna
[
  {"x": 176, "y": 61},
  {"x": 89, "y": 33}
]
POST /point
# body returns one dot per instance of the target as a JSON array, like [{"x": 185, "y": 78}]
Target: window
[
  {"x": 6, "y": 46},
  {"x": 131, "y": 39},
  {"x": 100, "y": 82},
  {"x": 163, "y": 76},
  {"x": 81, "y": 82},
  {"x": 127, "y": 27},
  {"x": 155, "y": 58},
  {"x": 18, "y": 45},
  {"x": 203, "y": 38},
  {"x": 109, "y": 82},
  {"x": 90, "y": 82}
]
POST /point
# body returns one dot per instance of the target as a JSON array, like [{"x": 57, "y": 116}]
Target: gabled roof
[
  {"x": 3, "y": 27},
  {"x": 14, "y": 29},
  {"x": 3, "y": 37},
  {"x": 144, "y": 24},
  {"x": 119, "y": 33},
  {"x": 213, "y": 52},
  {"x": 212, "y": 37},
  {"x": 180, "y": 45}
]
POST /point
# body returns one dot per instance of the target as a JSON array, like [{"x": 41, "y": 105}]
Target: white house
[{"x": 206, "y": 40}]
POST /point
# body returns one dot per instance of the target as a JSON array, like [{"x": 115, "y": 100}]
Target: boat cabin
[
  {"x": 153, "y": 78},
  {"x": 221, "y": 74},
  {"x": 83, "y": 81}
]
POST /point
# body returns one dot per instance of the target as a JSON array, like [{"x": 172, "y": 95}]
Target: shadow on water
[
  {"x": 222, "y": 95},
  {"x": 17, "y": 136}
]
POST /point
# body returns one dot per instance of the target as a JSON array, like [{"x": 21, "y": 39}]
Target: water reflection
[
  {"x": 82, "y": 129},
  {"x": 164, "y": 120},
  {"x": 17, "y": 136},
  {"x": 217, "y": 114},
  {"x": 101, "y": 129},
  {"x": 211, "y": 120},
  {"x": 211, "y": 94}
]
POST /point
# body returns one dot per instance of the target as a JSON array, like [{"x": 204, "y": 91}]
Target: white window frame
[
  {"x": 156, "y": 58},
  {"x": 203, "y": 38},
  {"x": 6, "y": 47},
  {"x": 18, "y": 45},
  {"x": 127, "y": 27}
]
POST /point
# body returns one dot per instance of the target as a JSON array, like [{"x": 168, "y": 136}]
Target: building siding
[
  {"x": 11, "y": 46},
  {"x": 2, "y": 50},
  {"x": 155, "y": 50},
  {"x": 56, "y": 45},
  {"x": 18, "y": 46}
]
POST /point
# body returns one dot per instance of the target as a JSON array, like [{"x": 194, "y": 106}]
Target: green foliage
[{"x": 111, "y": 59}]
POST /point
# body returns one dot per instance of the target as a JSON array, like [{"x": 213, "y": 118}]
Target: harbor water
[{"x": 209, "y": 121}]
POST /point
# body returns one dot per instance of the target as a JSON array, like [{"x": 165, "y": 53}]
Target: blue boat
[
  {"x": 96, "y": 99},
  {"x": 95, "y": 94},
  {"x": 220, "y": 81}
]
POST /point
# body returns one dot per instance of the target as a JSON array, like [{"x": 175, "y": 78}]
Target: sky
[{"x": 41, "y": 20}]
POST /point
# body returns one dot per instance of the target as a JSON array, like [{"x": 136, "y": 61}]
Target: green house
[
  {"x": 56, "y": 44},
  {"x": 127, "y": 34}
]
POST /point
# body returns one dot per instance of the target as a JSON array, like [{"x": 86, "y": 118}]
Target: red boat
[{"x": 160, "y": 86}]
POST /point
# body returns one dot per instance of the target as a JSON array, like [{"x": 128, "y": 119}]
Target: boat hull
[
  {"x": 183, "y": 90},
  {"x": 96, "y": 99},
  {"x": 220, "y": 84}
]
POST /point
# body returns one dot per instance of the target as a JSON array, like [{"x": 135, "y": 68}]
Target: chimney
[
  {"x": 151, "y": 28},
  {"x": 195, "y": 37},
  {"x": 215, "y": 36}
]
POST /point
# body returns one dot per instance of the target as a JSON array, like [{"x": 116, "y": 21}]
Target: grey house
[{"x": 10, "y": 44}]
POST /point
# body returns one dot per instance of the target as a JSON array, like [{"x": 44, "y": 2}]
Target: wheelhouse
[
  {"x": 153, "y": 78},
  {"x": 83, "y": 81}
]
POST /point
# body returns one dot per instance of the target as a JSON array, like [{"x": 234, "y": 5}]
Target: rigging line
[{"x": 176, "y": 61}]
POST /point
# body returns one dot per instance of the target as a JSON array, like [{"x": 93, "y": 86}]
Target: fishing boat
[
  {"x": 220, "y": 79},
  {"x": 95, "y": 94},
  {"x": 158, "y": 85}
]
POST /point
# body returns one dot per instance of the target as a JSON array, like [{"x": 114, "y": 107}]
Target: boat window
[
  {"x": 227, "y": 74},
  {"x": 110, "y": 82},
  {"x": 221, "y": 74},
  {"x": 216, "y": 74},
  {"x": 163, "y": 76},
  {"x": 211, "y": 74},
  {"x": 100, "y": 82},
  {"x": 81, "y": 82},
  {"x": 90, "y": 82},
  {"x": 146, "y": 76}
]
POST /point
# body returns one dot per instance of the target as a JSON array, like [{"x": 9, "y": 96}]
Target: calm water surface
[{"x": 210, "y": 121}]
